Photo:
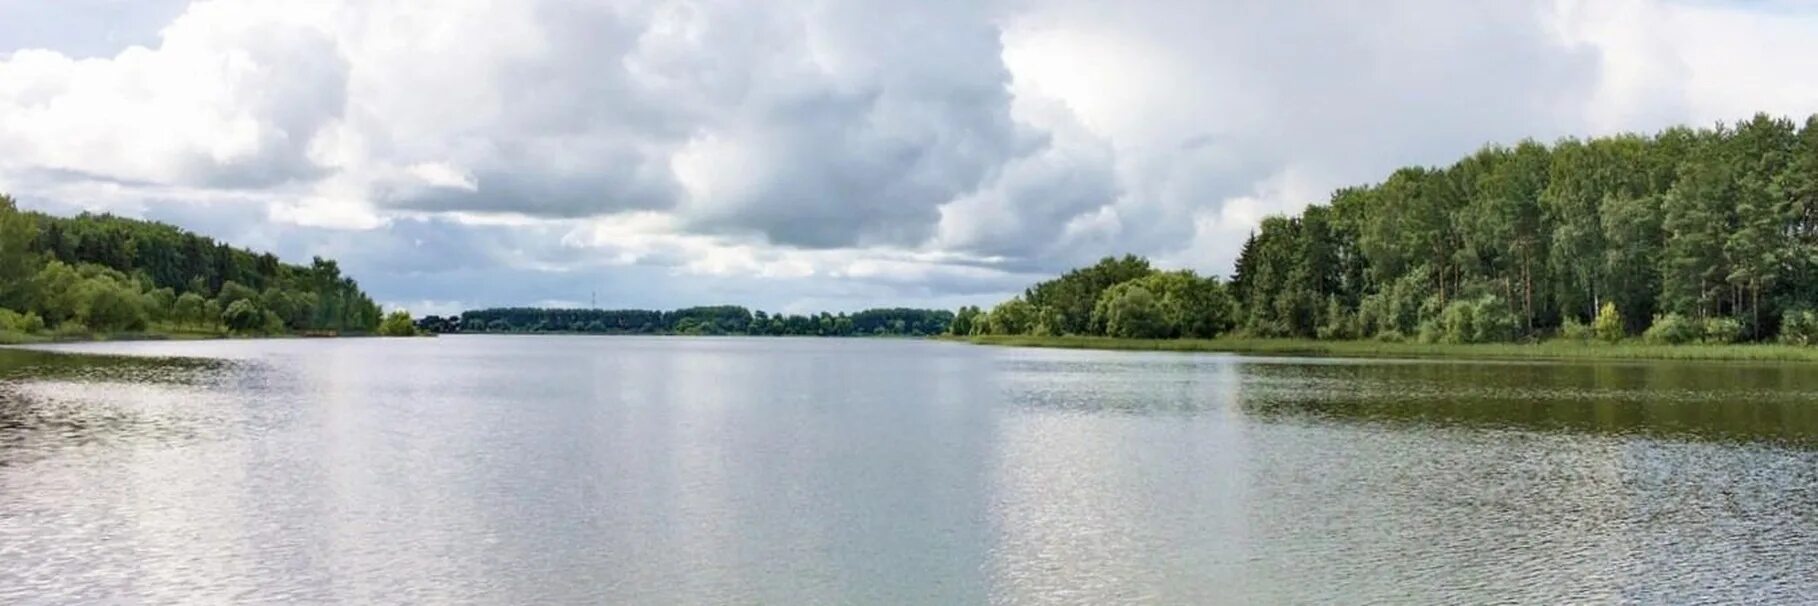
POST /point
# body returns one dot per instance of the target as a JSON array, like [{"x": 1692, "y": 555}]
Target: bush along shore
[{"x": 1687, "y": 244}]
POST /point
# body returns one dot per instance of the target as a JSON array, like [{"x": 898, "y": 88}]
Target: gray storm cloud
[{"x": 819, "y": 126}]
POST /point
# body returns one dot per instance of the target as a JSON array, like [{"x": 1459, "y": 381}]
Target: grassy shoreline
[
  {"x": 1546, "y": 350},
  {"x": 157, "y": 332},
  {"x": 20, "y": 338}
]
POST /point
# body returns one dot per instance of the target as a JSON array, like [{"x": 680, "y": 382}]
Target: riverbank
[
  {"x": 155, "y": 333},
  {"x": 1545, "y": 350},
  {"x": 20, "y": 338}
]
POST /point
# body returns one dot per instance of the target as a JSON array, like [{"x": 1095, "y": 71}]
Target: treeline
[
  {"x": 1689, "y": 235},
  {"x": 101, "y": 273},
  {"x": 715, "y": 320}
]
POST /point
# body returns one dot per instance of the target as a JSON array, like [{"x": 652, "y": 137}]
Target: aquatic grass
[{"x": 1556, "y": 349}]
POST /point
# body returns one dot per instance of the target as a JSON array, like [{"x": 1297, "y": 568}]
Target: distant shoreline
[
  {"x": 1560, "y": 350},
  {"x": 1554, "y": 350}
]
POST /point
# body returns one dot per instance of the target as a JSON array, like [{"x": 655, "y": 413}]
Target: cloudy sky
[{"x": 805, "y": 155}]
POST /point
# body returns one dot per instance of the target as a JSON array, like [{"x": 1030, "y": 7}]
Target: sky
[{"x": 800, "y": 156}]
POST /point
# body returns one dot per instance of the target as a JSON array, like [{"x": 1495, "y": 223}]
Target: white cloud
[
  {"x": 866, "y": 151},
  {"x": 1696, "y": 62}
]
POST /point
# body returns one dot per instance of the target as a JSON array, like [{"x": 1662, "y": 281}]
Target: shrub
[
  {"x": 1048, "y": 322},
  {"x": 398, "y": 324},
  {"x": 273, "y": 324},
  {"x": 211, "y": 311},
  {"x": 71, "y": 328},
  {"x": 232, "y": 292},
  {"x": 1340, "y": 324},
  {"x": 1457, "y": 322},
  {"x": 1483, "y": 320},
  {"x": 1431, "y": 331},
  {"x": 11, "y": 321},
  {"x": 1399, "y": 306},
  {"x": 1608, "y": 325},
  {"x": 243, "y": 316},
  {"x": 1013, "y": 317},
  {"x": 188, "y": 309},
  {"x": 1673, "y": 329},
  {"x": 1799, "y": 327},
  {"x": 158, "y": 303},
  {"x": 1134, "y": 314},
  {"x": 1266, "y": 329},
  {"x": 1722, "y": 330},
  {"x": 1371, "y": 316},
  {"x": 109, "y": 305},
  {"x": 1575, "y": 330}
]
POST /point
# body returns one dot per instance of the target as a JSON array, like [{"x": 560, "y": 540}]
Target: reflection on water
[
  {"x": 652, "y": 470},
  {"x": 1722, "y": 401},
  {"x": 50, "y": 402}
]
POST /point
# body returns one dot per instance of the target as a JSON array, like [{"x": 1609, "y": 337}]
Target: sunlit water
[{"x": 794, "y": 471}]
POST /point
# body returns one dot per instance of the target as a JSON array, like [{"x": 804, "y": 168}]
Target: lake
[{"x": 552, "y": 469}]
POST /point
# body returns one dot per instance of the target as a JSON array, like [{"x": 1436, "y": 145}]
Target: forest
[
  {"x": 1706, "y": 235},
  {"x": 715, "y": 320},
  {"x": 101, "y": 274}
]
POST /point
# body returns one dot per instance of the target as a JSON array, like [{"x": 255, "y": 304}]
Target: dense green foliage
[
  {"x": 716, "y": 320},
  {"x": 397, "y": 324},
  {"x": 1713, "y": 232},
  {"x": 100, "y": 273},
  {"x": 1070, "y": 300},
  {"x": 1799, "y": 327},
  {"x": 1716, "y": 225},
  {"x": 1122, "y": 297}
]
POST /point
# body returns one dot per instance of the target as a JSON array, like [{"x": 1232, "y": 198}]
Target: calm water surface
[{"x": 530, "y": 469}]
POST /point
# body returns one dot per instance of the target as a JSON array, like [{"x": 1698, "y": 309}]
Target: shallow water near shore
[{"x": 531, "y": 469}]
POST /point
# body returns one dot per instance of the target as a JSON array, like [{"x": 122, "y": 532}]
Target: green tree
[
  {"x": 1799, "y": 327},
  {"x": 108, "y": 305},
  {"x": 232, "y": 292},
  {"x": 1486, "y": 319},
  {"x": 1188, "y": 305},
  {"x": 1502, "y": 226},
  {"x": 1074, "y": 294},
  {"x": 397, "y": 324},
  {"x": 188, "y": 310},
  {"x": 1673, "y": 329},
  {"x": 211, "y": 311},
  {"x": 963, "y": 321},
  {"x": 17, "y": 261},
  {"x": 243, "y": 316},
  {"x": 12, "y": 321},
  {"x": 159, "y": 303},
  {"x": 272, "y": 324},
  {"x": 1131, "y": 312},
  {"x": 1797, "y": 190},
  {"x": 1698, "y": 212},
  {"x": 1756, "y": 247},
  {"x": 1631, "y": 261},
  {"x": 57, "y": 291},
  {"x": 1608, "y": 325},
  {"x": 1013, "y": 317}
]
